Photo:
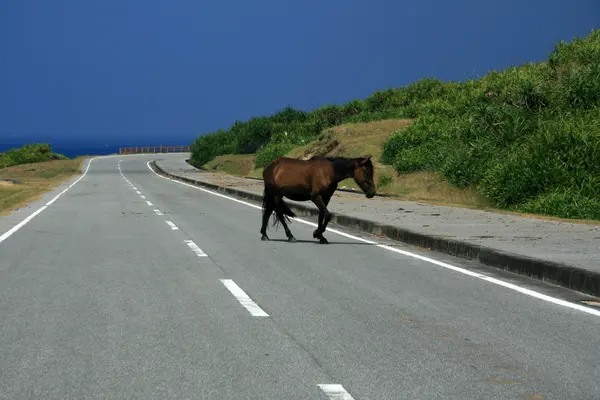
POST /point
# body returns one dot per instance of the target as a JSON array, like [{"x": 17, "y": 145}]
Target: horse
[{"x": 315, "y": 179}]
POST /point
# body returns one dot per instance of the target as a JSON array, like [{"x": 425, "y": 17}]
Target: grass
[
  {"x": 523, "y": 140},
  {"x": 234, "y": 164},
  {"x": 22, "y": 182},
  {"x": 357, "y": 139}
]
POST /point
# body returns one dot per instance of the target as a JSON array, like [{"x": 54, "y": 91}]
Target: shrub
[
  {"x": 561, "y": 202},
  {"x": 271, "y": 151},
  {"x": 29, "y": 153},
  {"x": 563, "y": 154}
]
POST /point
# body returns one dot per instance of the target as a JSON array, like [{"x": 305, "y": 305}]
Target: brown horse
[{"x": 315, "y": 179}]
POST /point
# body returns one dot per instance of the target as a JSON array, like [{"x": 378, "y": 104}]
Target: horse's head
[{"x": 363, "y": 175}]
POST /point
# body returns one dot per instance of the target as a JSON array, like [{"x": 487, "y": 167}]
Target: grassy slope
[
  {"x": 357, "y": 139},
  {"x": 34, "y": 178},
  {"x": 526, "y": 139}
]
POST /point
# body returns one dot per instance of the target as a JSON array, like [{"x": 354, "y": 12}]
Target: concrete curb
[{"x": 559, "y": 274}]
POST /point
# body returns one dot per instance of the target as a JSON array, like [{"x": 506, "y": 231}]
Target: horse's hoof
[
  {"x": 264, "y": 238},
  {"x": 323, "y": 241},
  {"x": 315, "y": 234},
  {"x": 292, "y": 239}
]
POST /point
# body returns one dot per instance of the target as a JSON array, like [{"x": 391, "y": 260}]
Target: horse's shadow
[{"x": 317, "y": 242}]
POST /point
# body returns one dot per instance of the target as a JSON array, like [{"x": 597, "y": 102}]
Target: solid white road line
[
  {"x": 18, "y": 226},
  {"x": 464, "y": 271},
  {"x": 243, "y": 298},
  {"x": 172, "y": 225},
  {"x": 335, "y": 392},
  {"x": 157, "y": 212},
  {"x": 195, "y": 248}
]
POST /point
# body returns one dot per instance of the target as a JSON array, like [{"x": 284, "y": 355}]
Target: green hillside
[{"x": 524, "y": 139}]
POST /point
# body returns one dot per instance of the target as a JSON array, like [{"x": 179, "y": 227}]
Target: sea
[{"x": 75, "y": 148}]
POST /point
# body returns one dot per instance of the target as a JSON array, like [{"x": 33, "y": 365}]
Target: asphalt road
[{"x": 108, "y": 294}]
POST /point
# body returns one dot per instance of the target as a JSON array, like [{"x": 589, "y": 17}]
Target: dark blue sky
[{"x": 148, "y": 70}]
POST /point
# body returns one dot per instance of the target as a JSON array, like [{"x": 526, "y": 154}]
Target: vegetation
[
  {"x": 30, "y": 153},
  {"x": 29, "y": 171},
  {"x": 524, "y": 139}
]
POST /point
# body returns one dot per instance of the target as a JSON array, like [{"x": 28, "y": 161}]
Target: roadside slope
[
  {"x": 525, "y": 139},
  {"x": 24, "y": 183}
]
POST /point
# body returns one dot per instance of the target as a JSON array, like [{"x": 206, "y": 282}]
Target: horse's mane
[
  {"x": 342, "y": 164},
  {"x": 341, "y": 160}
]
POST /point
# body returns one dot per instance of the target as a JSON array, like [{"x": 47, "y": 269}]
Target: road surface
[{"x": 133, "y": 286}]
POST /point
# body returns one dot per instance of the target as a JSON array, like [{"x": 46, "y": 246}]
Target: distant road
[{"x": 133, "y": 286}]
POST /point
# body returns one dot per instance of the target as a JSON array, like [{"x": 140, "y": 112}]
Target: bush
[
  {"x": 271, "y": 151},
  {"x": 30, "y": 153},
  {"x": 207, "y": 147},
  {"x": 564, "y": 203},
  {"x": 564, "y": 154},
  {"x": 527, "y": 137}
]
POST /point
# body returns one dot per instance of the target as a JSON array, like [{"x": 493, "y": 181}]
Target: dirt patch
[
  {"x": 33, "y": 180},
  {"x": 352, "y": 140},
  {"x": 235, "y": 164}
]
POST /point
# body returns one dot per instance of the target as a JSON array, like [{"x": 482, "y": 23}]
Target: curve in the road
[
  {"x": 330, "y": 390},
  {"x": 477, "y": 275}
]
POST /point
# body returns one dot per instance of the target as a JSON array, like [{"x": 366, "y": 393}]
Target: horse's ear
[{"x": 365, "y": 160}]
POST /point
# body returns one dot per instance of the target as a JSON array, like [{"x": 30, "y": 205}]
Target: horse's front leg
[
  {"x": 317, "y": 232},
  {"x": 268, "y": 208},
  {"x": 324, "y": 218}
]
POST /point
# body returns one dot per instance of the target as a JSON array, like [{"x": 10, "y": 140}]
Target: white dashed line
[
  {"x": 150, "y": 204},
  {"x": 143, "y": 197},
  {"x": 243, "y": 298},
  {"x": 335, "y": 392},
  {"x": 195, "y": 248},
  {"x": 528, "y": 292},
  {"x": 138, "y": 192},
  {"x": 158, "y": 212},
  {"x": 172, "y": 225}
]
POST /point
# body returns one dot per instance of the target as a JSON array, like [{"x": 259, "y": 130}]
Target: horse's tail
[
  {"x": 269, "y": 201},
  {"x": 266, "y": 199},
  {"x": 282, "y": 213}
]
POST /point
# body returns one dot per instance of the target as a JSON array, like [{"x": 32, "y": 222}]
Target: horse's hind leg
[
  {"x": 268, "y": 208},
  {"x": 324, "y": 217},
  {"x": 281, "y": 217}
]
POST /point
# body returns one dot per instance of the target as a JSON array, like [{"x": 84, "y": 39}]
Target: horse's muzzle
[{"x": 370, "y": 195}]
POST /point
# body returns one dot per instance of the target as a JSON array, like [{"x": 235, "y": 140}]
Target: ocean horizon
[{"x": 70, "y": 149}]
